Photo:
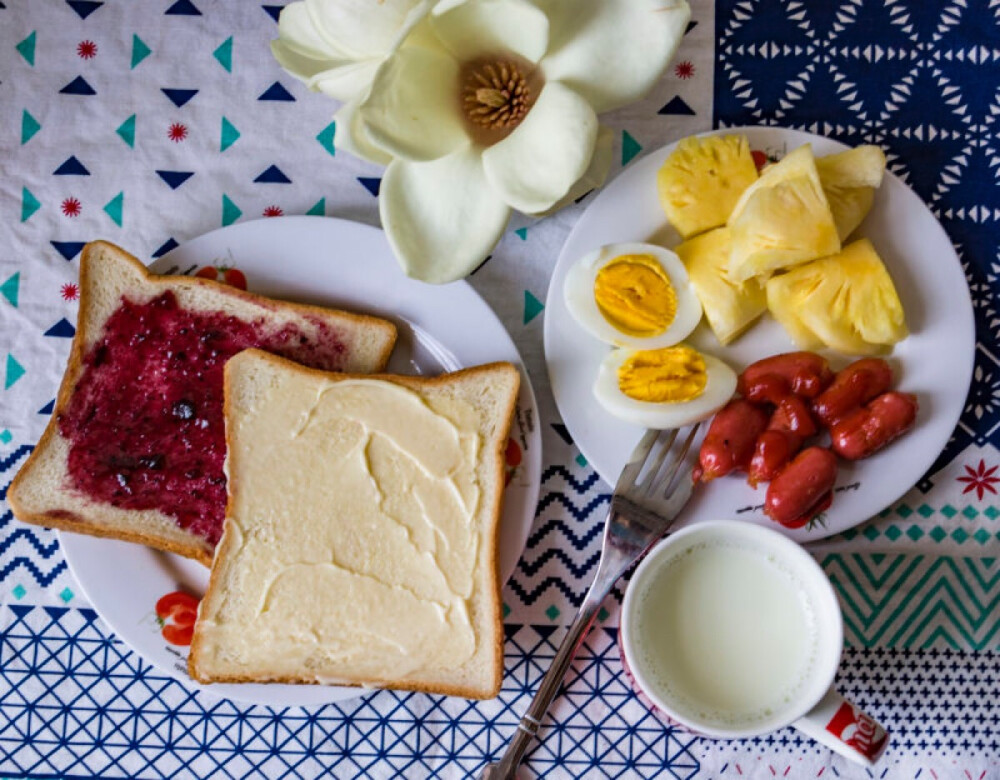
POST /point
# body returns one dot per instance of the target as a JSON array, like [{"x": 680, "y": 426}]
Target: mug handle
[{"x": 845, "y": 728}]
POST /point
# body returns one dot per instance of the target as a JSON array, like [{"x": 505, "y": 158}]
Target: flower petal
[
  {"x": 413, "y": 109},
  {"x": 473, "y": 28},
  {"x": 535, "y": 166},
  {"x": 593, "y": 177},
  {"x": 345, "y": 82},
  {"x": 352, "y": 135},
  {"x": 299, "y": 65},
  {"x": 298, "y": 31},
  {"x": 612, "y": 51},
  {"x": 441, "y": 217},
  {"x": 360, "y": 28}
]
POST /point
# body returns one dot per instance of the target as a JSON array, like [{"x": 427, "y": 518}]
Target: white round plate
[
  {"x": 935, "y": 362},
  {"x": 335, "y": 263}
]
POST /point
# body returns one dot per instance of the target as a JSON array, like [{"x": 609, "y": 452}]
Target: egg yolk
[
  {"x": 634, "y": 294},
  {"x": 668, "y": 375}
]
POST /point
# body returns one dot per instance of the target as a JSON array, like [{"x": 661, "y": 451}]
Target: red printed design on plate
[
  {"x": 512, "y": 458},
  {"x": 176, "y": 613},
  {"x": 857, "y": 730}
]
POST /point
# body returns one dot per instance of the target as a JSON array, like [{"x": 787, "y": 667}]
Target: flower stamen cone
[{"x": 496, "y": 94}]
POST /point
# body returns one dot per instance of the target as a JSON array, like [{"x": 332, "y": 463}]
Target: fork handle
[{"x": 608, "y": 573}]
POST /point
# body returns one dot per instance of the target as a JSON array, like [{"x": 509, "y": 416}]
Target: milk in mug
[{"x": 727, "y": 633}]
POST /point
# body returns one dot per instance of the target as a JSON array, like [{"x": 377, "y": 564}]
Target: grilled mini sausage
[{"x": 803, "y": 489}]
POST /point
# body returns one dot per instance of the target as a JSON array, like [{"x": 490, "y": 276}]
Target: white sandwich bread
[
  {"x": 360, "y": 539},
  {"x": 135, "y": 446}
]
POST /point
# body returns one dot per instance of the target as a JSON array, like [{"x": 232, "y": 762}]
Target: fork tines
[{"x": 655, "y": 462}]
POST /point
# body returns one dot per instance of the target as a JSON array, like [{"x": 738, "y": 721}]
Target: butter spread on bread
[{"x": 360, "y": 538}]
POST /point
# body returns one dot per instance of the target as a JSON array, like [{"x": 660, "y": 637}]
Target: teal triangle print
[
  {"x": 326, "y": 136},
  {"x": 10, "y": 288},
  {"x": 29, "y": 126},
  {"x": 230, "y": 211},
  {"x": 318, "y": 209},
  {"x": 522, "y": 233},
  {"x": 14, "y": 372},
  {"x": 630, "y": 148},
  {"x": 29, "y": 204},
  {"x": 26, "y": 48},
  {"x": 126, "y": 131},
  {"x": 115, "y": 207},
  {"x": 139, "y": 51},
  {"x": 224, "y": 54},
  {"x": 532, "y": 307},
  {"x": 228, "y": 136}
]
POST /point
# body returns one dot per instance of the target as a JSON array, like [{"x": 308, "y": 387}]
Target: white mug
[{"x": 732, "y": 630}]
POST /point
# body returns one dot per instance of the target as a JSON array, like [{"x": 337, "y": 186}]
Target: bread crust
[
  {"x": 198, "y": 549},
  {"x": 414, "y": 383}
]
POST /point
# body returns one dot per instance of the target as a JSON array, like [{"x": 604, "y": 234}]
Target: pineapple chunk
[
  {"x": 702, "y": 179},
  {"x": 729, "y": 307},
  {"x": 847, "y": 301},
  {"x": 849, "y": 180},
  {"x": 782, "y": 220}
]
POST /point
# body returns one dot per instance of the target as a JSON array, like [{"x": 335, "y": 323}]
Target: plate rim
[{"x": 967, "y": 315}]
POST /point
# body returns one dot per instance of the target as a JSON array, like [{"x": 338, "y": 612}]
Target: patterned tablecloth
[{"x": 148, "y": 123}]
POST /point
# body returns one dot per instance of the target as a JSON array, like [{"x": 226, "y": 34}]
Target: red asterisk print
[
  {"x": 177, "y": 132},
  {"x": 71, "y": 207},
  {"x": 684, "y": 70},
  {"x": 273, "y": 211},
  {"x": 70, "y": 292},
  {"x": 86, "y": 50},
  {"x": 980, "y": 479}
]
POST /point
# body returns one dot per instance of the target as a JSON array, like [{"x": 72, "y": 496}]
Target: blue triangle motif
[
  {"x": 72, "y": 167},
  {"x": 84, "y": 8},
  {"x": 276, "y": 92},
  {"x": 373, "y": 185},
  {"x": 68, "y": 249},
  {"x": 272, "y": 175},
  {"x": 182, "y": 8},
  {"x": 175, "y": 179},
  {"x": 677, "y": 107},
  {"x": 48, "y": 408},
  {"x": 272, "y": 10},
  {"x": 61, "y": 330},
  {"x": 179, "y": 96},
  {"x": 165, "y": 247},
  {"x": 78, "y": 86}
]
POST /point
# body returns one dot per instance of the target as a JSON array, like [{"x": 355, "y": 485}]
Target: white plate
[
  {"x": 935, "y": 362},
  {"x": 334, "y": 263}
]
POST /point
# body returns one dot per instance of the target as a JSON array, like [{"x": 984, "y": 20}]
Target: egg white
[
  {"x": 719, "y": 388},
  {"x": 578, "y": 292}
]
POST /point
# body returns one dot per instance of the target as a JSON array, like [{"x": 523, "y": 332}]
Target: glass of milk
[{"x": 732, "y": 630}]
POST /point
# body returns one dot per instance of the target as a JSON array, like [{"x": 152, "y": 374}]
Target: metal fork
[{"x": 650, "y": 493}]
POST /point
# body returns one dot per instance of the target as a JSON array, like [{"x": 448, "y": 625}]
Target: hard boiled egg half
[
  {"x": 634, "y": 295},
  {"x": 663, "y": 388}
]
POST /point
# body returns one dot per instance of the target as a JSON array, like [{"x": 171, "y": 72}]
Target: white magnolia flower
[{"x": 483, "y": 106}]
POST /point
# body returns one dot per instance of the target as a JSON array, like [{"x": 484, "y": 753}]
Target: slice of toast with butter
[{"x": 360, "y": 539}]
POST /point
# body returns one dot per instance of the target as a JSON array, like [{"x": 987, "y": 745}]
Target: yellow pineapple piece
[
  {"x": 785, "y": 293},
  {"x": 846, "y": 301},
  {"x": 783, "y": 219},
  {"x": 849, "y": 180},
  {"x": 702, "y": 179},
  {"x": 729, "y": 307}
]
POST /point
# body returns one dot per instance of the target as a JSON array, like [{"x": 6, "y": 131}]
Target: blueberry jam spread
[{"x": 145, "y": 424}]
